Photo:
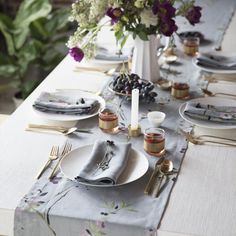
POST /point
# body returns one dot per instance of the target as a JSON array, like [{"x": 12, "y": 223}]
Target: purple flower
[
  {"x": 164, "y": 10},
  {"x": 194, "y": 15},
  {"x": 115, "y": 14},
  {"x": 155, "y": 7},
  {"x": 76, "y": 53},
  {"x": 168, "y": 27}
]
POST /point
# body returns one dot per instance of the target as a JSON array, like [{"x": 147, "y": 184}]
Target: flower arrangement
[{"x": 139, "y": 17}]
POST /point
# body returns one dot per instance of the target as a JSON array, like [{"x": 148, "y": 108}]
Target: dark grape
[{"x": 153, "y": 94}]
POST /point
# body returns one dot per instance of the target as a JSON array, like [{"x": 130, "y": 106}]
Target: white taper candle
[{"x": 134, "y": 109}]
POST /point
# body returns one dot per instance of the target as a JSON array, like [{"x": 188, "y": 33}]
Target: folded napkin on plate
[
  {"x": 60, "y": 104},
  {"x": 222, "y": 114},
  {"x": 105, "y": 164},
  {"x": 216, "y": 61},
  {"x": 111, "y": 55}
]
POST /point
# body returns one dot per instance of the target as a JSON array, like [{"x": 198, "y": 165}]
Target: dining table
[{"x": 200, "y": 200}]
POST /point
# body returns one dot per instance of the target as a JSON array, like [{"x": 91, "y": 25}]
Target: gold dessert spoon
[
  {"x": 166, "y": 167},
  {"x": 211, "y": 94}
]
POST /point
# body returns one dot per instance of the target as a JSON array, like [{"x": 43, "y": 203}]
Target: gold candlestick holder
[{"x": 134, "y": 132}]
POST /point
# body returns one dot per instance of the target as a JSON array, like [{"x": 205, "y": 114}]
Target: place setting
[
  {"x": 210, "y": 114},
  {"x": 59, "y": 112},
  {"x": 218, "y": 63}
]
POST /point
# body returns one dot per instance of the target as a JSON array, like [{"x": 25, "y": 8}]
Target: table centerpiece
[{"x": 145, "y": 20}]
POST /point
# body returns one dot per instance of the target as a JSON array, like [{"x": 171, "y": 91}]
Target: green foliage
[{"x": 31, "y": 39}]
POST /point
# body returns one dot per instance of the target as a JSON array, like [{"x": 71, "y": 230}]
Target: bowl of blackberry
[{"x": 124, "y": 83}]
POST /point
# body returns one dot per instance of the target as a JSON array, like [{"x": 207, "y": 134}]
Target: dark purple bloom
[
  {"x": 194, "y": 15},
  {"x": 77, "y": 53},
  {"x": 115, "y": 14},
  {"x": 164, "y": 10},
  {"x": 155, "y": 7},
  {"x": 168, "y": 27}
]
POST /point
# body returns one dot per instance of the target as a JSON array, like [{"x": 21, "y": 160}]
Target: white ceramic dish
[
  {"x": 73, "y": 162},
  {"x": 219, "y": 101},
  {"x": 63, "y": 117},
  {"x": 155, "y": 118},
  {"x": 101, "y": 64}
]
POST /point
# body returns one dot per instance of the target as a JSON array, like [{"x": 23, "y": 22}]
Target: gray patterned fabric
[
  {"x": 216, "y": 62},
  {"x": 61, "y": 104},
  {"x": 211, "y": 113},
  {"x": 112, "y": 55}
]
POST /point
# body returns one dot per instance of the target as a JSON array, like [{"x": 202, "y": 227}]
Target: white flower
[
  {"x": 148, "y": 18},
  {"x": 139, "y": 3}
]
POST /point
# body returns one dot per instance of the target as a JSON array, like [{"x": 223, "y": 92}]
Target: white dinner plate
[
  {"x": 64, "y": 117},
  {"x": 212, "y": 70},
  {"x": 217, "y": 101},
  {"x": 74, "y": 161}
]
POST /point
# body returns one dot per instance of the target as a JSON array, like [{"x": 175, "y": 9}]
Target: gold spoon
[
  {"x": 152, "y": 178},
  {"x": 60, "y": 129},
  {"x": 211, "y": 94},
  {"x": 165, "y": 168},
  {"x": 93, "y": 69}
]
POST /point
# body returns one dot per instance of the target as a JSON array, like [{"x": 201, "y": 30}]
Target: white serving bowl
[{"x": 156, "y": 118}]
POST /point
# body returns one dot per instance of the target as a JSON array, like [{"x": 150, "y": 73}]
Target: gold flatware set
[
  {"x": 55, "y": 155},
  {"x": 67, "y": 148},
  {"x": 208, "y": 139},
  {"x": 163, "y": 168},
  {"x": 57, "y": 129}
]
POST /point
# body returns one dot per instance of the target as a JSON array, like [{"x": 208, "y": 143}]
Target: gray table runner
[{"x": 63, "y": 207}]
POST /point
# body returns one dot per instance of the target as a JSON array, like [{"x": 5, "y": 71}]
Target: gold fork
[
  {"x": 201, "y": 140},
  {"x": 67, "y": 148},
  {"x": 54, "y": 154}
]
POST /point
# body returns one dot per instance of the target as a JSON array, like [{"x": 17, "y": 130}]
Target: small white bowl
[{"x": 156, "y": 118}]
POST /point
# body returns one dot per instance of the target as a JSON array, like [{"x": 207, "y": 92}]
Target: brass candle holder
[{"x": 134, "y": 132}]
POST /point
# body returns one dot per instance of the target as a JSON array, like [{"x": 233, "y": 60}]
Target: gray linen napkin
[
  {"x": 105, "y": 164},
  {"x": 222, "y": 114},
  {"x": 60, "y": 104},
  {"x": 108, "y": 55},
  {"x": 216, "y": 61}
]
